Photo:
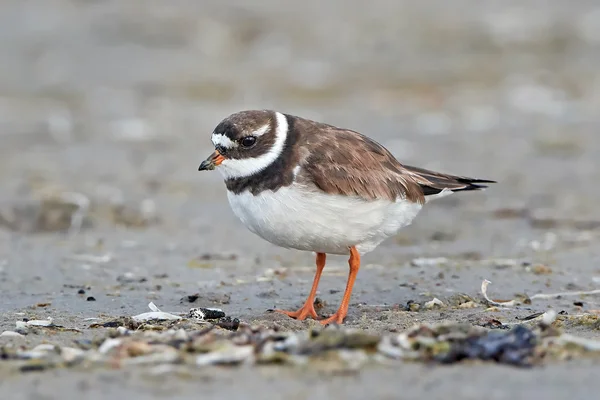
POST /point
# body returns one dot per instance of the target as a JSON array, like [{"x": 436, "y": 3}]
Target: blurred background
[{"x": 107, "y": 106}]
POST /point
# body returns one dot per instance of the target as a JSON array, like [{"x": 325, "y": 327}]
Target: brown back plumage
[{"x": 341, "y": 161}]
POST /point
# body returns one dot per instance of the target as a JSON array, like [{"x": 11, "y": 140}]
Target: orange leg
[
  {"x": 308, "y": 309},
  {"x": 341, "y": 313}
]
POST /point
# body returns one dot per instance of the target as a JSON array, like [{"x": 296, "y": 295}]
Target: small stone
[
  {"x": 468, "y": 304},
  {"x": 229, "y": 324},
  {"x": 411, "y": 305},
  {"x": 192, "y": 298},
  {"x": 196, "y": 313},
  {"x": 10, "y": 334},
  {"x": 213, "y": 313}
]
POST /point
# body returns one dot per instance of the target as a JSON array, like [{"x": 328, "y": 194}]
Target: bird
[{"x": 311, "y": 186}]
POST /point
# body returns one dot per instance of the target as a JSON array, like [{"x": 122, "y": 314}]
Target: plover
[{"x": 307, "y": 185}]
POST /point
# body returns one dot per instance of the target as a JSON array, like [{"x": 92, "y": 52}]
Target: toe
[
  {"x": 334, "y": 319},
  {"x": 300, "y": 314},
  {"x": 292, "y": 314}
]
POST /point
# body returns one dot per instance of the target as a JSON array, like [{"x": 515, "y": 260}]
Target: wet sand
[{"x": 116, "y": 101}]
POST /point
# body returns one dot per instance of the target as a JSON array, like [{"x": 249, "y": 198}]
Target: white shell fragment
[
  {"x": 108, "y": 345},
  {"x": 484, "y": 286},
  {"x": 39, "y": 322},
  {"x": 122, "y": 331},
  {"x": 91, "y": 258},
  {"x": 429, "y": 262},
  {"x": 169, "y": 356},
  {"x": 71, "y": 354},
  {"x": 44, "y": 347},
  {"x": 585, "y": 343},
  {"x": 155, "y": 314},
  {"x": 388, "y": 349},
  {"x": 434, "y": 302},
  {"x": 228, "y": 355}
]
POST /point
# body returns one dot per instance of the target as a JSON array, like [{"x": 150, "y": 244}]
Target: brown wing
[{"x": 346, "y": 162}]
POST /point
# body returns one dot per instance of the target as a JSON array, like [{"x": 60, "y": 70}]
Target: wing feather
[
  {"x": 342, "y": 161},
  {"x": 345, "y": 162}
]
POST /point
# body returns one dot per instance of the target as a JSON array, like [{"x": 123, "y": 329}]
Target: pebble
[{"x": 10, "y": 334}]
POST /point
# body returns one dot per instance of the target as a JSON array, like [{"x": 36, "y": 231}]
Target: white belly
[{"x": 294, "y": 217}]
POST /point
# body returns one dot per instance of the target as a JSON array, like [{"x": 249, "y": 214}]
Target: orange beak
[{"x": 211, "y": 162}]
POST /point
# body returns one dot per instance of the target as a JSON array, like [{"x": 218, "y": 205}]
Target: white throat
[{"x": 244, "y": 167}]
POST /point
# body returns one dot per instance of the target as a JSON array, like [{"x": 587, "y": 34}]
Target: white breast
[{"x": 294, "y": 217}]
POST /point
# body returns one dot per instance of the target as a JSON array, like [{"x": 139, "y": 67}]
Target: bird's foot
[
  {"x": 307, "y": 310},
  {"x": 337, "y": 318}
]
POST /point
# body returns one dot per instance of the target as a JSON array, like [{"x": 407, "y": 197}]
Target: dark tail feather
[
  {"x": 472, "y": 184},
  {"x": 436, "y": 182}
]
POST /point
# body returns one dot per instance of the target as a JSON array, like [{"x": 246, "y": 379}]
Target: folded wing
[{"x": 348, "y": 163}]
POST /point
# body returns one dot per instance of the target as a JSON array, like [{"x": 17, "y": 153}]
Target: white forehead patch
[
  {"x": 262, "y": 130},
  {"x": 244, "y": 167},
  {"x": 218, "y": 139},
  {"x": 223, "y": 141}
]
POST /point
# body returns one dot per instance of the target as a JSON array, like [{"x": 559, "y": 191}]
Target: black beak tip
[{"x": 206, "y": 166}]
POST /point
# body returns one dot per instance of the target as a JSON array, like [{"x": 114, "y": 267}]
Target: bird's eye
[{"x": 248, "y": 141}]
